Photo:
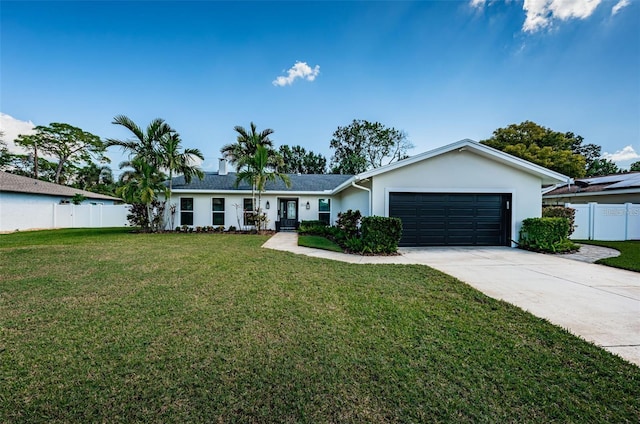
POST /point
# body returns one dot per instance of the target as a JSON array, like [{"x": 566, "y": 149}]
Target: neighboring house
[
  {"x": 610, "y": 189},
  {"x": 27, "y": 203},
  {"x": 462, "y": 194}
]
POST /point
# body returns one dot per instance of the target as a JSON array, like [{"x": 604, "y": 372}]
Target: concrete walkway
[{"x": 598, "y": 303}]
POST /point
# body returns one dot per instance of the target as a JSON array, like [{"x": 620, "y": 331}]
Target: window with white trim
[
  {"x": 217, "y": 211},
  {"x": 324, "y": 211},
  {"x": 186, "y": 211},
  {"x": 247, "y": 207}
]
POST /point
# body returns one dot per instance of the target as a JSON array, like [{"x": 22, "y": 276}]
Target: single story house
[
  {"x": 462, "y": 194},
  {"x": 27, "y": 203},
  {"x": 609, "y": 189}
]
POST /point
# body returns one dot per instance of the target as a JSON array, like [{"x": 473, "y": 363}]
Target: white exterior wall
[
  {"x": 202, "y": 207},
  {"x": 463, "y": 172},
  {"x": 20, "y": 211},
  {"x": 355, "y": 199}
]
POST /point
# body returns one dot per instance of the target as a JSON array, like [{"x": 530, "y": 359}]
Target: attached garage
[
  {"x": 462, "y": 194},
  {"x": 453, "y": 219}
]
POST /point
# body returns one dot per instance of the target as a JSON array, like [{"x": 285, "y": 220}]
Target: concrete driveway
[{"x": 598, "y": 303}]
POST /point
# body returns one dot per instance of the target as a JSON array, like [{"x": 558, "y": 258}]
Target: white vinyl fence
[
  {"x": 52, "y": 215},
  {"x": 606, "y": 222}
]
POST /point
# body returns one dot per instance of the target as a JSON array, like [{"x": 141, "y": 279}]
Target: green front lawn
[
  {"x": 318, "y": 242},
  {"x": 106, "y": 326},
  {"x": 629, "y": 253}
]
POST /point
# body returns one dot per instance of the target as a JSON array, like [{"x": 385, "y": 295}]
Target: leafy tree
[
  {"x": 561, "y": 152},
  {"x": 635, "y": 166},
  {"x": 256, "y": 171},
  {"x": 247, "y": 143},
  {"x": 364, "y": 145},
  {"x": 600, "y": 167},
  {"x": 98, "y": 179},
  {"x": 68, "y": 144},
  {"x": 5, "y": 155},
  {"x": 296, "y": 160}
]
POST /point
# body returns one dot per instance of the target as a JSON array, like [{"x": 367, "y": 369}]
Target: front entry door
[{"x": 288, "y": 212}]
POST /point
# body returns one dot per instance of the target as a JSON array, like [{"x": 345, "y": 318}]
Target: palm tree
[
  {"x": 145, "y": 143},
  {"x": 141, "y": 184},
  {"x": 257, "y": 171},
  {"x": 173, "y": 160},
  {"x": 247, "y": 143},
  {"x": 159, "y": 147}
]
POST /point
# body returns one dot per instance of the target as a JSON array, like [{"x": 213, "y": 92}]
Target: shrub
[
  {"x": 561, "y": 212},
  {"x": 137, "y": 216},
  {"x": 381, "y": 234},
  {"x": 546, "y": 235},
  {"x": 349, "y": 223},
  {"x": 315, "y": 228}
]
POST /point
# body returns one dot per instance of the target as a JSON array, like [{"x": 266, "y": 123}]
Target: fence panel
[{"x": 607, "y": 222}]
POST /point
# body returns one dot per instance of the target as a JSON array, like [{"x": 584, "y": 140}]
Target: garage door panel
[{"x": 454, "y": 219}]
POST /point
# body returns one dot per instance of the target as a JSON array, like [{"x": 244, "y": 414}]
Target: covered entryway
[
  {"x": 453, "y": 219},
  {"x": 287, "y": 214}
]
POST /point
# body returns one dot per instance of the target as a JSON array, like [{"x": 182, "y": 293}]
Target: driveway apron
[{"x": 598, "y": 303}]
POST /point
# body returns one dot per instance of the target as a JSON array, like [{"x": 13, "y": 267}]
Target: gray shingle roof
[
  {"x": 20, "y": 184},
  {"x": 303, "y": 182}
]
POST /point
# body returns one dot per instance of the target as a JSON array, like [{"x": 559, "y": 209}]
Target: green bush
[
  {"x": 314, "y": 228},
  {"x": 349, "y": 223},
  {"x": 546, "y": 235},
  {"x": 561, "y": 212},
  {"x": 381, "y": 234}
]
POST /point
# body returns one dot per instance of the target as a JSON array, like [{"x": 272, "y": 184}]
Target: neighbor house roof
[
  {"x": 608, "y": 184},
  {"x": 19, "y": 184},
  {"x": 214, "y": 182}
]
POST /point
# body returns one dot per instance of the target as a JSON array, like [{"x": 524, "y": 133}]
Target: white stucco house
[
  {"x": 462, "y": 194},
  {"x": 27, "y": 203}
]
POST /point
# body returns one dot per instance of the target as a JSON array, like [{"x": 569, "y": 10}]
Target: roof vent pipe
[{"x": 222, "y": 166}]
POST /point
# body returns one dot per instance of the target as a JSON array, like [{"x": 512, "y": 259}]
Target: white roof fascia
[
  {"x": 268, "y": 192},
  {"x": 547, "y": 175},
  {"x": 344, "y": 185}
]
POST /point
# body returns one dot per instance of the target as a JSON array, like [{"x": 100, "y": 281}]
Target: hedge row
[{"x": 546, "y": 235}]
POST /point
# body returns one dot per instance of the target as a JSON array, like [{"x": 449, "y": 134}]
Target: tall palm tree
[
  {"x": 257, "y": 171},
  {"x": 141, "y": 184},
  {"x": 180, "y": 162},
  {"x": 247, "y": 143},
  {"x": 145, "y": 142},
  {"x": 159, "y": 147},
  {"x": 172, "y": 159}
]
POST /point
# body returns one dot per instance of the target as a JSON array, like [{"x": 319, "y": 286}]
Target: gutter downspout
[{"x": 353, "y": 184}]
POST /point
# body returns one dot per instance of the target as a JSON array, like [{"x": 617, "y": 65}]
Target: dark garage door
[{"x": 452, "y": 219}]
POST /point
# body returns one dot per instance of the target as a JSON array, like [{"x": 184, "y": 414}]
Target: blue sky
[{"x": 441, "y": 71}]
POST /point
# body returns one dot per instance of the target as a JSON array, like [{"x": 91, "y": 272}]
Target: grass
[
  {"x": 106, "y": 326},
  {"x": 318, "y": 242},
  {"x": 629, "y": 253}
]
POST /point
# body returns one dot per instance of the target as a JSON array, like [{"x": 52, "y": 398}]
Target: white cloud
[
  {"x": 478, "y": 3},
  {"x": 626, "y": 154},
  {"x": 622, "y": 3},
  {"x": 299, "y": 70},
  {"x": 12, "y": 127},
  {"x": 541, "y": 13}
]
